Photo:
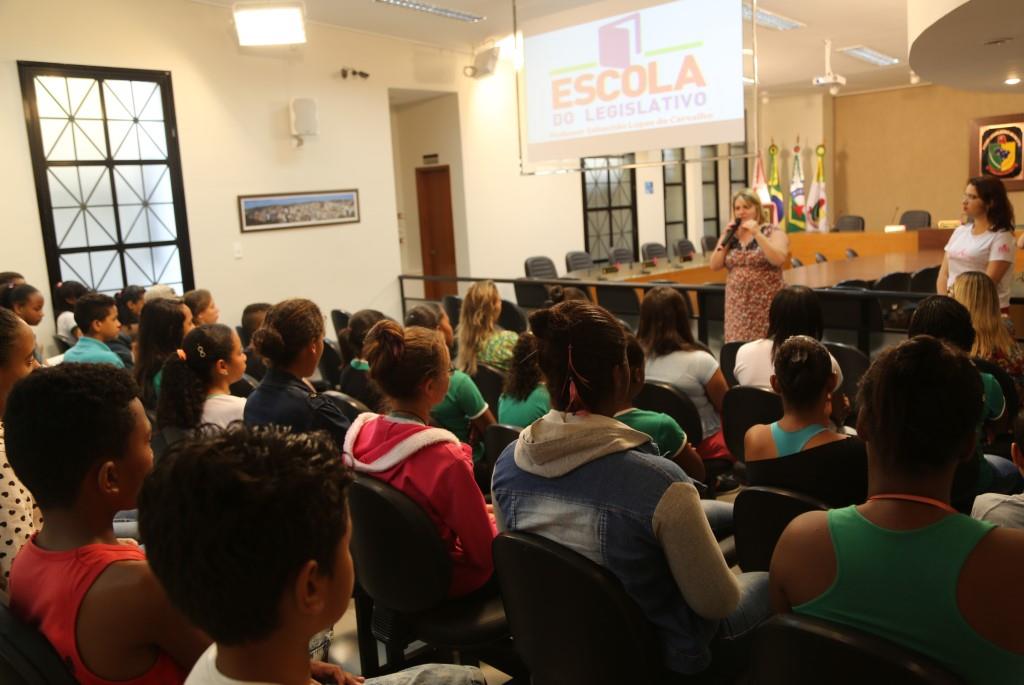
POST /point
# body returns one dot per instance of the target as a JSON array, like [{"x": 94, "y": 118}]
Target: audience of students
[
  {"x": 1005, "y": 510},
  {"x": 98, "y": 325},
  {"x": 252, "y": 319},
  {"x": 291, "y": 340},
  {"x": 525, "y": 396},
  {"x": 204, "y": 309},
  {"x": 480, "y": 340},
  {"x": 19, "y": 517},
  {"x": 197, "y": 380},
  {"x": 430, "y": 465},
  {"x": 162, "y": 326},
  {"x": 129, "y": 308},
  {"x": 905, "y": 565},
  {"x": 355, "y": 378},
  {"x": 583, "y": 479},
  {"x": 675, "y": 357},
  {"x": 66, "y": 294}
]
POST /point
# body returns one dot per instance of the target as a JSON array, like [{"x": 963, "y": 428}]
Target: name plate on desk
[
  {"x": 649, "y": 264},
  {"x": 610, "y": 269}
]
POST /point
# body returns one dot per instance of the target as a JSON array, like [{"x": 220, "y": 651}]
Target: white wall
[{"x": 809, "y": 117}]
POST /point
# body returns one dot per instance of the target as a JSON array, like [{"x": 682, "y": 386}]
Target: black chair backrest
[
  {"x": 727, "y": 360},
  {"x": 243, "y": 337},
  {"x": 743, "y": 407},
  {"x": 794, "y": 262},
  {"x": 540, "y": 267},
  {"x": 618, "y": 300},
  {"x": 340, "y": 318},
  {"x": 452, "y": 305},
  {"x": 349, "y": 406},
  {"x": 712, "y": 300},
  {"x": 62, "y": 344},
  {"x": 849, "y": 222},
  {"x": 330, "y": 363},
  {"x": 854, "y": 365},
  {"x": 846, "y": 312},
  {"x": 26, "y": 658},
  {"x": 400, "y": 559},
  {"x": 577, "y": 260},
  {"x": 791, "y": 649},
  {"x": 854, "y": 283},
  {"x": 915, "y": 219},
  {"x": 653, "y": 251},
  {"x": 1005, "y": 383},
  {"x": 530, "y": 294},
  {"x": 835, "y": 473},
  {"x": 759, "y": 516},
  {"x": 571, "y": 619},
  {"x": 897, "y": 281},
  {"x": 685, "y": 249},
  {"x": 511, "y": 317},
  {"x": 708, "y": 243},
  {"x": 497, "y": 437},
  {"x": 244, "y": 386},
  {"x": 819, "y": 258},
  {"x": 663, "y": 397},
  {"x": 851, "y": 253},
  {"x": 489, "y": 381},
  {"x": 923, "y": 280},
  {"x": 620, "y": 255}
]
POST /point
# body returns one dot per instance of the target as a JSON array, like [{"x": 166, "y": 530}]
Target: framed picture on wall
[
  {"x": 297, "y": 210},
  {"x": 995, "y": 149}
]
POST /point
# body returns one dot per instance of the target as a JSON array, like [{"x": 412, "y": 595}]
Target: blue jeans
[
  {"x": 1006, "y": 477},
  {"x": 432, "y": 674},
  {"x": 754, "y": 607},
  {"x": 719, "y": 516}
]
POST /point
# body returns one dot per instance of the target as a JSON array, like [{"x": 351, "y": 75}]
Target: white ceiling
[{"x": 788, "y": 60}]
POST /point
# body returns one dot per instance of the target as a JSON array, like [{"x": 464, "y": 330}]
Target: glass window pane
[
  {"x": 58, "y": 140},
  {"x": 52, "y": 97},
  {"x": 89, "y": 142},
  {"x": 737, "y": 168},
  {"x": 710, "y": 201},
  {"x": 84, "y": 95},
  {"x": 674, "y": 233},
  {"x": 69, "y": 228},
  {"x": 621, "y": 184},
  {"x": 75, "y": 267},
  {"x": 597, "y": 189},
  {"x": 674, "y": 173},
  {"x": 672, "y": 153},
  {"x": 138, "y": 266},
  {"x": 622, "y": 228},
  {"x": 99, "y": 222},
  {"x": 708, "y": 171},
  {"x": 711, "y": 228},
  {"x": 106, "y": 270},
  {"x": 674, "y": 205},
  {"x": 160, "y": 218}
]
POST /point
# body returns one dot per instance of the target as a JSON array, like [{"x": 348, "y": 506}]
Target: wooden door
[{"x": 437, "y": 234}]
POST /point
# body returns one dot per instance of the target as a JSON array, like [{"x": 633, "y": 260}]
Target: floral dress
[
  {"x": 749, "y": 289},
  {"x": 496, "y": 351}
]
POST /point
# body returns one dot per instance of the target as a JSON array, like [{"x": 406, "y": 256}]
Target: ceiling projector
[{"x": 830, "y": 80}]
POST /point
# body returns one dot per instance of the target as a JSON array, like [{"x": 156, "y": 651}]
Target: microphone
[{"x": 730, "y": 231}]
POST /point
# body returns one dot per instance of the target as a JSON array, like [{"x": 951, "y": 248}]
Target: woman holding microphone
[{"x": 753, "y": 252}]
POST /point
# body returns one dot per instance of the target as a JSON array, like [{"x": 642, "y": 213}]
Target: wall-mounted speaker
[
  {"x": 305, "y": 120},
  {"x": 484, "y": 63}
]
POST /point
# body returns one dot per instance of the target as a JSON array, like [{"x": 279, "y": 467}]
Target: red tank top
[{"x": 47, "y": 589}]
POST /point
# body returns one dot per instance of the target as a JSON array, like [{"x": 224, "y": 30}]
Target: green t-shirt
[
  {"x": 667, "y": 435},
  {"x": 524, "y": 412},
  {"x": 995, "y": 405},
  {"x": 461, "y": 404}
]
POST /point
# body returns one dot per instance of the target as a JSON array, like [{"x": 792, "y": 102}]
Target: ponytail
[
  {"x": 188, "y": 375},
  {"x": 401, "y": 360}
]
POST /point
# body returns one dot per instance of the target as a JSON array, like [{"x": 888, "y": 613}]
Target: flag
[
  {"x": 778, "y": 203},
  {"x": 796, "y": 220},
  {"x": 817, "y": 202},
  {"x": 760, "y": 186}
]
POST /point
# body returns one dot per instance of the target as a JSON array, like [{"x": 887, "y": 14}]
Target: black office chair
[
  {"x": 244, "y": 386},
  {"x": 512, "y": 318},
  {"x": 759, "y": 515},
  {"x": 743, "y": 407},
  {"x": 62, "y": 344},
  {"x": 819, "y": 258},
  {"x": 530, "y": 294},
  {"x": 620, "y": 255},
  {"x": 497, "y": 437},
  {"x": 651, "y": 251},
  {"x": 403, "y": 566},
  {"x": 621, "y": 301},
  {"x": 708, "y": 243},
  {"x": 540, "y": 267},
  {"x": 854, "y": 364},
  {"x": 489, "y": 381},
  {"x": 727, "y": 361},
  {"x": 794, "y": 262},
  {"x": 854, "y": 283},
  {"x": 916, "y": 219},
  {"x": 923, "y": 280},
  {"x": 330, "y": 363},
  {"x": 340, "y": 319},
  {"x": 571, "y": 619},
  {"x": 791, "y": 649},
  {"x": 349, "y": 406},
  {"x": 894, "y": 311},
  {"x": 835, "y": 473},
  {"x": 26, "y": 658},
  {"x": 685, "y": 249},
  {"x": 851, "y": 253},
  {"x": 849, "y": 223},
  {"x": 577, "y": 261},
  {"x": 663, "y": 398},
  {"x": 452, "y": 305}
]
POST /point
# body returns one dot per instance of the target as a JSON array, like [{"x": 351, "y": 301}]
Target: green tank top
[{"x": 901, "y": 585}]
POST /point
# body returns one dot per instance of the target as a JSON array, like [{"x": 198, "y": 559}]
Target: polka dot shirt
[{"x": 19, "y": 517}]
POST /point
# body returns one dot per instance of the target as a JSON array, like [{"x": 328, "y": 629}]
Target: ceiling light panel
[
  {"x": 445, "y": 12},
  {"x": 879, "y": 59},
  {"x": 770, "y": 20},
  {"x": 264, "y": 24}
]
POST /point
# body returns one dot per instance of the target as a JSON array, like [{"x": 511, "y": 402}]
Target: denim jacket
[
  {"x": 284, "y": 400},
  {"x": 594, "y": 485}
]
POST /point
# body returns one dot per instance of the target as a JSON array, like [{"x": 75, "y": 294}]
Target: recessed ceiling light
[
  {"x": 458, "y": 15},
  {"x": 770, "y": 20},
  {"x": 879, "y": 59},
  {"x": 270, "y": 24},
  {"x": 1012, "y": 81}
]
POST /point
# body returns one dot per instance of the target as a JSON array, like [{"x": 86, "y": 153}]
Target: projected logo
[{"x": 613, "y": 42}]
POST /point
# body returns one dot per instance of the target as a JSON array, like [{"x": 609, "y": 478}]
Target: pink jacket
[{"x": 435, "y": 470}]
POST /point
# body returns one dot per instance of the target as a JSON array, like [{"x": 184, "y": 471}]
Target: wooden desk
[{"x": 868, "y": 268}]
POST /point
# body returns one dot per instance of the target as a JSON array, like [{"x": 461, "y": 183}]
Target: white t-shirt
[
  {"x": 223, "y": 409},
  {"x": 66, "y": 326},
  {"x": 689, "y": 372},
  {"x": 205, "y": 672},
  {"x": 1002, "y": 510},
  {"x": 969, "y": 252},
  {"x": 754, "y": 364}
]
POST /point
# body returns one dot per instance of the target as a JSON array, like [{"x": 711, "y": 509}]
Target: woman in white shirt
[
  {"x": 676, "y": 358},
  {"x": 985, "y": 241},
  {"x": 196, "y": 384}
]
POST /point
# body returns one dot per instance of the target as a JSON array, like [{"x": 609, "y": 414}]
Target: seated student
[
  {"x": 24, "y": 300},
  {"x": 667, "y": 434},
  {"x": 480, "y": 340},
  {"x": 129, "y": 307},
  {"x": 204, "y": 309},
  {"x": 96, "y": 316},
  {"x": 197, "y": 382},
  {"x": 9, "y": 278},
  {"x": 291, "y": 339},
  {"x": 525, "y": 396},
  {"x": 1005, "y": 510},
  {"x": 806, "y": 379},
  {"x": 355, "y": 378},
  {"x": 252, "y": 319},
  {"x": 19, "y": 517},
  {"x": 905, "y": 565},
  {"x": 430, "y": 465},
  {"x": 78, "y": 438},
  {"x": 286, "y": 493},
  {"x": 585, "y": 480},
  {"x": 557, "y": 293},
  {"x": 162, "y": 326},
  {"x": 66, "y": 294},
  {"x": 159, "y": 292},
  {"x": 948, "y": 320}
]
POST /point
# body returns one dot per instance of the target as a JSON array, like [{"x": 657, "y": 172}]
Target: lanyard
[{"x": 915, "y": 498}]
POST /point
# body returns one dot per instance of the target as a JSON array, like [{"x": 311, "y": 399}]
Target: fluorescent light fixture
[
  {"x": 458, "y": 15},
  {"x": 864, "y": 54},
  {"x": 770, "y": 20},
  {"x": 270, "y": 24},
  {"x": 1012, "y": 81}
]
